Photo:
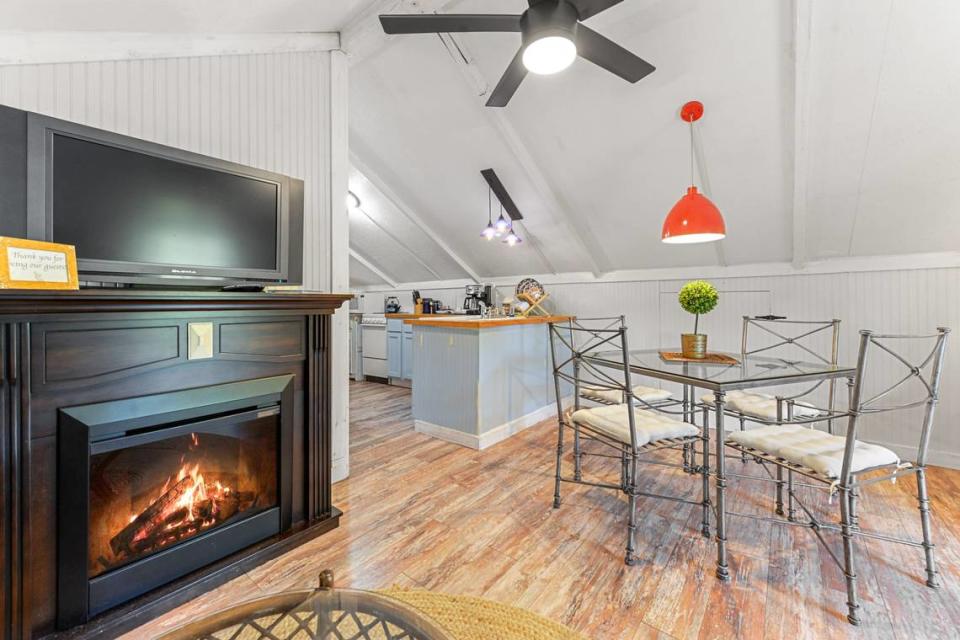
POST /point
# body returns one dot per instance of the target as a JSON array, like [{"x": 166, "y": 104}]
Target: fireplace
[{"x": 150, "y": 497}]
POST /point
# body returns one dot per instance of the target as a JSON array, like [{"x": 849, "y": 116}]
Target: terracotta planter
[{"x": 693, "y": 345}]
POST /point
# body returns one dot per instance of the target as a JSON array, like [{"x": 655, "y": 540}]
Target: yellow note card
[{"x": 32, "y": 264}]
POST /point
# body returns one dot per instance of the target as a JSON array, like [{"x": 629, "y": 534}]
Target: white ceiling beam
[
  {"x": 403, "y": 245},
  {"x": 803, "y": 15},
  {"x": 576, "y": 226},
  {"x": 371, "y": 175},
  {"x": 374, "y": 268},
  {"x": 49, "y": 47},
  {"x": 363, "y": 36},
  {"x": 701, "y": 159}
]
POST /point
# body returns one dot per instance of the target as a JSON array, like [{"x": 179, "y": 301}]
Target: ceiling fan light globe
[{"x": 549, "y": 54}]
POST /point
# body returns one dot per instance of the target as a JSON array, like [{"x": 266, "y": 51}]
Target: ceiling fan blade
[
  {"x": 587, "y": 8},
  {"x": 509, "y": 82},
  {"x": 606, "y": 53},
  {"x": 450, "y": 23}
]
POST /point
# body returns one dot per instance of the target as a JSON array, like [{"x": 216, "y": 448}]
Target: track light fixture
[{"x": 490, "y": 232}]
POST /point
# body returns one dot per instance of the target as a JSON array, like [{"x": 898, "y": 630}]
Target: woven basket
[{"x": 468, "y": 618}]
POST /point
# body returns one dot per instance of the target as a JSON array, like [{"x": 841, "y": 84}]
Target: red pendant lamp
[{"x": 694, "y": 218}]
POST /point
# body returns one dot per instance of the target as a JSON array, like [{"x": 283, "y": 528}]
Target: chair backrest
[
  {"x": 817, "y": 340},
  {"x": 917, "y": 377},
  {"x": 807, "y": 336},
  {"x": 571, "y": 340}
]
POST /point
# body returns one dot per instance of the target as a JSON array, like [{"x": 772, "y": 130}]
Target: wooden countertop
[
  {"x": 474, "y": 322},
  {"x": 414, "y": 316}
]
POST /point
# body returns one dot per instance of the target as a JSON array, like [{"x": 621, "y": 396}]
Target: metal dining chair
[
  {"x": 631, "y": 429},
  {"x": 846, "y": 464},
  {"x": 790, "y": 340}
]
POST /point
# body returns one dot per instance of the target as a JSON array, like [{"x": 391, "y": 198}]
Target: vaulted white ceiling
[
  {"x": 829, "y": 129},
  {"x": 198, "y": 16},
  {"x": 827, "y": 133}
]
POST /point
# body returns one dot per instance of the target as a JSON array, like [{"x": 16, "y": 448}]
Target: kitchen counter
[
  {"x": 477, "y": 381},
  {"x": 414, "y": 316},
  {"x": 476, "y": 322}
]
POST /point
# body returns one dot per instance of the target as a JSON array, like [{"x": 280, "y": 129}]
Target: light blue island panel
[{"x": 477, "y": 387}]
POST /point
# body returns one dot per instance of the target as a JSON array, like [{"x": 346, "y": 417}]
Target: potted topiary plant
[{"x": 697, "y": 297}]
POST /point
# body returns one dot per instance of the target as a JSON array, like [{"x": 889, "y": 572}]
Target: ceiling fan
[{"x": 552, "y": 35}]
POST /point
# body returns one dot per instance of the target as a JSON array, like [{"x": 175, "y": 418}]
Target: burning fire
[
  {"x": 185, "y": 504},
  {"x": 205, "y": 488}
]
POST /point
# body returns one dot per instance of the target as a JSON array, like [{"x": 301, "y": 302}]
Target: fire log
[
  {"x": 151, "y": 517},
  {"x": 162, "y": 537}
]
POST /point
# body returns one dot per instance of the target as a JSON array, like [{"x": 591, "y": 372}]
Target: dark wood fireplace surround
[{"x": 73, "y": 349}]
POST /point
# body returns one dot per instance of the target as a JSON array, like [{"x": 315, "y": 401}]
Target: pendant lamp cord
[
  {"x": 691, "y": 152},
  {"x": 489, "y": 208}
]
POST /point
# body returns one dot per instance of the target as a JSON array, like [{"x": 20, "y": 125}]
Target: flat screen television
[{"x": 139, "y": 212}]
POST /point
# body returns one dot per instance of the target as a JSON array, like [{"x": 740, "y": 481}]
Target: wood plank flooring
[{"x": 423, "y": 513}]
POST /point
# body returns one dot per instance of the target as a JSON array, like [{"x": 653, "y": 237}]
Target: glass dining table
[{"x": 749, "y": 372}]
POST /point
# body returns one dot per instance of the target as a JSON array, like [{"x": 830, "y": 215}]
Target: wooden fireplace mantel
[
  {"x": 40, "y": 303},
  {"x": 73, "y": 349}
]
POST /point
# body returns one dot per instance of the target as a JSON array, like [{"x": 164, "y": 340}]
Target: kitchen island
[{"x": 478, "y": 381}]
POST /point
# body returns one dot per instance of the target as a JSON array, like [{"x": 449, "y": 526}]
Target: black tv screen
[{"x": 114, "y": 204}]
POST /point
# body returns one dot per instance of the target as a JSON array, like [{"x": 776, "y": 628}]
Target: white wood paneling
[
  {"x": 48, "y": 47},
  {"x": 338, "y": 243},
  {"x": 722, "y": 325},
  {"x": 890, "y": 301},
  {"x": 179, "y": 16},
  {"x": 272, "y": 111}
]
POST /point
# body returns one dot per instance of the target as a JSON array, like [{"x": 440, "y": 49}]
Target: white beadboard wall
[
  {"x": 900, "y": 301},
  {"x": 271, "y": 111}
]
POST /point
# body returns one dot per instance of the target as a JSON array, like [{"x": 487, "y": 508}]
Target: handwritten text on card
[{"x": 37, "y": 265}]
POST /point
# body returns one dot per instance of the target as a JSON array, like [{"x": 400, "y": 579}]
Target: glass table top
[
  {"x": 323, "y": 614},
  {"x": 750, "y": 372}
]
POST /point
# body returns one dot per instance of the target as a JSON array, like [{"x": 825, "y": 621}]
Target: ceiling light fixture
[
  {"x": 549, "y": 37},
  {"x": 512, "y": 238},
  {"x": 353, "y": 202},
  {"x": 490, "y": 232},
  {"x": 694, "y": 218},
  {"x": 549, "y": 55},
  {"x": 502, "y": 225}
]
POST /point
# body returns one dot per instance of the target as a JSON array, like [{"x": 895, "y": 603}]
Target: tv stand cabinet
[{"x": 72, "y": 349}]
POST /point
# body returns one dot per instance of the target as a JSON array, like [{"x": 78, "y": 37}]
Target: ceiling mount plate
[
  {"x": 692, "y": 111},
  {"x": 501, "y": 192}
]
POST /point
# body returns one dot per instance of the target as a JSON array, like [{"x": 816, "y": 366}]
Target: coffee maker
[{"x": 478, "y": 297}]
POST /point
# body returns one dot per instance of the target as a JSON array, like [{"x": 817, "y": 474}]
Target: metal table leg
[
  {"x": 689, "y": 459},
  {"x": 705, "y": 474},
  {"x": 722, "y": 571}
]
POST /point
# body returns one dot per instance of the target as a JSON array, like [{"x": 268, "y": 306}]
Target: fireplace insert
[{"x": 150, "y": 498}]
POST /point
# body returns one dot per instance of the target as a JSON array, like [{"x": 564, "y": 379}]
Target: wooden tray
[{"x": 712, "y": 358}]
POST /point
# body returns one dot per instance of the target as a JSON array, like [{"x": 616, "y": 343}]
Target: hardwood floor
[{"x": 423, "y": 513}]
